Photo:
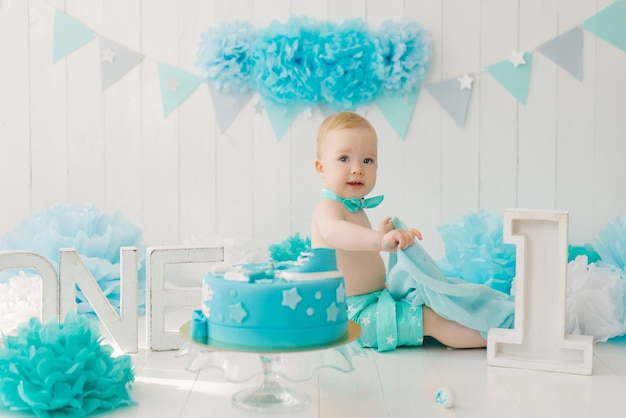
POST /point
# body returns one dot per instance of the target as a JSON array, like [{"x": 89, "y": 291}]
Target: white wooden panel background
[{"x": 62, "y": 139}]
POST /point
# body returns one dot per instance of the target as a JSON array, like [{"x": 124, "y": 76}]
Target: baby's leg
[{"x": 449, "y": 333}]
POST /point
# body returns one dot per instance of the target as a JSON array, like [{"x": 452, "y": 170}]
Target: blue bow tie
[{"x": 353, "y": 204}]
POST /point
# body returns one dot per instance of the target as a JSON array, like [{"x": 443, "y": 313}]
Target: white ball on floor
[{"x": 445, "y": 397}]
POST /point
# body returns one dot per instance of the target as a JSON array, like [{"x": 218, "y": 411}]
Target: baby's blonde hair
[{"x": 341, "y": 120}]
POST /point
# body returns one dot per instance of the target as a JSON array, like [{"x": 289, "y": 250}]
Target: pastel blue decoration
[
  {"x": 116, "y": 61},
  {"x": 610, "y": 24},
  {"x": 96, "y": 236},
  {"x": 282, "y": 116},
  {"x": 290, "y": 248},
  {"x": 69, "y": 35},
  {"x": 475, "y": 252},
  {"x": 228, "y": 105},
  {"x": 224, "y": 56},
  {"x": 176, "y": 86},
  {"x": 514, "y": 80},
  {"x": 303, "y": 61},
  {"x": 566, "y": 50},
  {"x": 62, "y": 370},
  {"x": 611, "y": 243},
  {"x": 453, "y": 98},
  {"x": 398, "y": 110}
]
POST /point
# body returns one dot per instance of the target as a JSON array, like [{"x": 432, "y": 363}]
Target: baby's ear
[{"x": 319, "y": 168}]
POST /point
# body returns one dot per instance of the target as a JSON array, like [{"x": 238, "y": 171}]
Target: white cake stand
[{"x": 271, "y": 395}]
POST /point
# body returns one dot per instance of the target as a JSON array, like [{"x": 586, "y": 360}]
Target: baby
[{"x": 347, "y": 161}]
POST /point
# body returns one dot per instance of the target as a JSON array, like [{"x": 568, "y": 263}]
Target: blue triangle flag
[
  {"x": 282, "y": 116},
  {"x": 115, "y": 61},
  {"x": 176, "y": 86},
  {"x": 228, "y": 105},
  {"x": 610, "y": 24},
  {"x": 514, "y": 79},
  {"x": 452, "y": 98},
  {"x": 566, "y": 50},
  {"x": 69, "y": 35},
  {"x": 398, "y": 110}
]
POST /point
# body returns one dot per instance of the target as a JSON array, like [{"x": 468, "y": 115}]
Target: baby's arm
[{"x": 332, "y": 227}]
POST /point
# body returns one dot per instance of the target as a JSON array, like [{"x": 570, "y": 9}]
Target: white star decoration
[
  {"x": 390, "y": 339},
  {"x": 108, "y": 55},
  {"x": 465, "y": 82},
  {"x": 365, "y": 321},
  {"x": 291, "y": 298},
  {"x": 517, "y": 58},
  {"x": 173, "y": 84},
  {"x": 341, "y": 293},
  {"x": 331, "y": 313},
  {"x": 351, "y": 309}
]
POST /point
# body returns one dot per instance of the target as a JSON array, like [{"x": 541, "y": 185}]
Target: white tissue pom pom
[{"x": 445, "y": 397}]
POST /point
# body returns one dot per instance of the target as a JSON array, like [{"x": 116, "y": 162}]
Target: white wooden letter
[
  {"x": 49, "y": 281},
  {"x": 122, "y": 327},
  {"x": 159, "y": 298},
  {"x": 538, "y": 340}
]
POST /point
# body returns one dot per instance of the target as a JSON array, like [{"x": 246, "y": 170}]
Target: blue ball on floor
[{"x": 445, "y": 397}]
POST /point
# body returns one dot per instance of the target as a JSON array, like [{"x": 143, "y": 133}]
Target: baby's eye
[
  {"x": 368, "y": 161},
  {"x": 343, "y": 159}
]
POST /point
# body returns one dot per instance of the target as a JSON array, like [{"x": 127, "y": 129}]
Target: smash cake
[{"x": 287, "y": 305}]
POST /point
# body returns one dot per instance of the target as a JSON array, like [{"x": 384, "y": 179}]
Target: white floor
[{"x": 401, "y": 383}]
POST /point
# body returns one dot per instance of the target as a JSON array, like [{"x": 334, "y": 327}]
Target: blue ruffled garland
[
  {"x": 95, "y": 235},
  {"x": 62, "y": 369},
  {"x": 343, "y": 65}
]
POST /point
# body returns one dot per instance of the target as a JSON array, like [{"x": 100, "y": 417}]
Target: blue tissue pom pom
[
  {"x": 308, "y": 62},
  {"x": 351, "y": 69},
  {"x": 95, "y": 235},
  {"x": 404, "y": 49},
  {"x": 611, "y": 243},
  {"x": 62, "y": 369},
  {"x": 286, "y": 63},
  {"x": 224, "y": 56},
  {"x": 474, "y": 251}
]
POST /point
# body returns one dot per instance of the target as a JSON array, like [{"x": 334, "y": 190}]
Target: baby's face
[{"x": 348, "y": 162}]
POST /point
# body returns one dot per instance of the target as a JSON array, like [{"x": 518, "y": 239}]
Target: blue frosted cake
[{"x": 275, "y": 305}]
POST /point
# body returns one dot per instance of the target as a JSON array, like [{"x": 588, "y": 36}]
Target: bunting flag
[
  {"x": 281, "y": 117},
  {"x": 610, "y": 24},
  {"x": 398, "y": 110},
  {"x": 115, "y": 61},
  {"x": 566, "y": 51},
  {"x": 176, "y": 86},
  {"x": 228, "y": 105},
  {"x": 513, "y": 74},
  {"x": 453, "y": 95},
  {"x": 69, "y": 35}
]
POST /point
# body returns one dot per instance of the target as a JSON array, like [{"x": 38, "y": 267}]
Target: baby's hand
[
  {"x": 400, "y": 238},
  {"x": 386, "y": 225}
]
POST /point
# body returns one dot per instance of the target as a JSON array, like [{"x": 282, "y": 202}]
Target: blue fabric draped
[{"x": 415, "y": 277}]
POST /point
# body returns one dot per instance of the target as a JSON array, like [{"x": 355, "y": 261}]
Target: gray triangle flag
[
  {"x": 452, "y": 97},
  {"x": 115, "y": 61},
  {"x": 566, "y": 50},
  {"x": 228, "y": 105}
]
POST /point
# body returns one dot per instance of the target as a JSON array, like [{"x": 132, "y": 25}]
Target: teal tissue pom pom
[
  {"x": 96, "y": 236},
  {"x": 290, "y": 249},
  {"x": 62, "y": 370}
]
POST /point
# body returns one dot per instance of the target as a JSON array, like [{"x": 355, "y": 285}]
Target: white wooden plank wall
[{"x": 63, "y": 139}]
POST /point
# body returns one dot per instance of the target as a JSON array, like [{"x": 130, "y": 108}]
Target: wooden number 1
[{"x": 538, "y": 340}]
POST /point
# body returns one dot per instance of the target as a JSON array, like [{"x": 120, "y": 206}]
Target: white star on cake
[
  {"x": 341, "y": 293},
  {"x": 291, "y": 298},
  {"x": 331, "y": 312},
  {"x": 237, "y": 312}
]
